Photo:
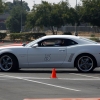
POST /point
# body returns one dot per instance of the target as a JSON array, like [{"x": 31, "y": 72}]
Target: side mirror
[{"x": 35, "y": 45}]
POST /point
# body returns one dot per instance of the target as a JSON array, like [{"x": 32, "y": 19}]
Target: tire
[
  {"x": 85, "y": 63},
  {"x": 8, "y": 62}
]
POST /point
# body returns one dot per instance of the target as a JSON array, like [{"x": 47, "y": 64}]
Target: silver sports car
[{"x": 52, "y": 51}]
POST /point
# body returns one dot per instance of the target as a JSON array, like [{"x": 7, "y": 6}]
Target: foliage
[
  {"x": 13, "y": 23},
  {"x": 92, "y": 35},
  {"x": 2, "y": 6},
  {"x": 38, "y": 35},
  {"x": 16, "y": 10},
  {"x": 51, "y": 15},
  {"x": 10, "y": 5},
  {"x": 14, "y": 36},
  {"x": 90, "y": 12},
  {"x": 25, "y": 36},
  {"x": 3, "y": 35},
  {"x": 20, "y": 36},
  {"x": 73, "y": 16},
  {"x": 31, "y": 19}
]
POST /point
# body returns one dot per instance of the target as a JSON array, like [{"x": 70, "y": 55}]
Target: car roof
[
  {"x": 61, "y": 36},
  {"x": 78, "y": 39}
]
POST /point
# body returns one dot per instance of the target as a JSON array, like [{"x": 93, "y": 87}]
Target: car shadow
[
  {"x": 49, "y": 70},
  {"x": 36, "y": 70}
]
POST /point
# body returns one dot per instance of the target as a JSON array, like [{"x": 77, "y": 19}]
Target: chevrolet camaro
[{"x": 52, "y": 51}]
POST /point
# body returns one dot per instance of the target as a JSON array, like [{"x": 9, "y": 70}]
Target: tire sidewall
[
  {"x": 14, "y": 63},
  {"x": 79, "y": 69}
]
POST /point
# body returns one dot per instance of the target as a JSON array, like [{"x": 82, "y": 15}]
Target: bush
[
  {"x": 3, "y": 35},
  {"x": 26, "y": 36},
  {"x": 15, "y": 36},
  {"x": 38, "y": 35},
  {"x": 67, "y": 33},
  {"x": 92, "y": 35},
  {"x": 21, "y": 36}
]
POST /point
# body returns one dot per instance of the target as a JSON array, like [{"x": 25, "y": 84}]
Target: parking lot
[{"x": 37, "y": 83}]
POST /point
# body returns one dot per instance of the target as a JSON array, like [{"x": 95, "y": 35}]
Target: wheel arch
[
  {"x": 11, "y": 54},
  {"x": 85, "y": 54}
]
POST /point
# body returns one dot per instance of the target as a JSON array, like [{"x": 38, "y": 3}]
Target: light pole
[
  {"x": 21, "y": 17},
  {"x": 76, "y": 34}
]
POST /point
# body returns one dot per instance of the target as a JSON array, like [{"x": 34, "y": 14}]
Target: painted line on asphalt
[
  {"x": 76, "y": 90},
  {"x": 86, "y": 76},
  {"x": 91, "y": 79},
  {"x": 40, "y": 78}
]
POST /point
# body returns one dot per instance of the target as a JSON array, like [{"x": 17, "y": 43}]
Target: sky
[{"x": 31, "y": 2}]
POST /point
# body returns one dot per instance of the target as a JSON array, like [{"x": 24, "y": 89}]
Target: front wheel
[
  {"x": 8, "y": 62},
  {"x": 85, "y": 63}
]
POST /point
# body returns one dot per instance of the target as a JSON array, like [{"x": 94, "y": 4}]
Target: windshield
[{"x": 33, "y": 42}]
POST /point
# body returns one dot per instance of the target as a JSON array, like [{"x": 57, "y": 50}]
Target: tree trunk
[
  {"x": 56, "y": 31},
  {"x": 52, "y": 29}
]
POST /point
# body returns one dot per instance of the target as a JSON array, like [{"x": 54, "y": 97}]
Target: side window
[
  {"x": 52, "y": 43},
  {"x": 47, "y": 43},
  {"x": 70, "y": 42}
]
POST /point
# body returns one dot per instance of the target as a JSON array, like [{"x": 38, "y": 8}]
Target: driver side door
[{"x": 47, "y": 54}]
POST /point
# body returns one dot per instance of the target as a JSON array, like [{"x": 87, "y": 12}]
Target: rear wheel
[
  {"x": 8, "y": 62},
  {"x": 85, "y": 63}
]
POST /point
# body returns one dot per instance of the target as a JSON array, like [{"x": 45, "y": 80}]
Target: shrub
[
  {"x": 26, "y": 36},
  {"x": 15, "y": 36},
  {"x": 3, "y": 35},
  {"x": 38, "y": 35},
  {"x": 67, "y": 33},
  {"x": 92, "y": 35}
]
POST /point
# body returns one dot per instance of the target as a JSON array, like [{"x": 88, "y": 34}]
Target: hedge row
[
  {"x": 26, "y": 36},
  {"x": 2, "y": 35},
  {"x": 67, "y": 33}
]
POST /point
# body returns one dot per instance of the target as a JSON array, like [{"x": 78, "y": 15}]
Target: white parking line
[
  {"x": 79, "y": 79},
  {"x": 86, "y": 76},
  {"x": 40, "y": 78},
  {"x": 91, "y": 79},
  {"x": 41, "y": 83}
]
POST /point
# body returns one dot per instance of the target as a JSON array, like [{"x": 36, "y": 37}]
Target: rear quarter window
[{"x": 70, "y": 42}]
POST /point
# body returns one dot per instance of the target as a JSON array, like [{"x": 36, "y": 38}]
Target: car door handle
[{"x": 61, "y": 49}]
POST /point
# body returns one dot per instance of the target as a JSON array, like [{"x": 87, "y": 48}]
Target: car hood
[{"x": 10, "y": 47}]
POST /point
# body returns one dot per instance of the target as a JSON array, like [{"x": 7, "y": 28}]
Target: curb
[{"x": 67, "y": 99}]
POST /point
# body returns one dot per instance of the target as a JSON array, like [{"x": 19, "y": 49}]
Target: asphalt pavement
[{"x": 37, "y": 83}]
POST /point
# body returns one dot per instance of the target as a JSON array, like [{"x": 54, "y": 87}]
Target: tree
[
  {"x": 2, "y": 5},
  {"x": 51, "y": 15},
  {"x": 10, "y": 6},
  {"x": 13, "y": 23},
  {"x": 73, "y": 16},
  {"x": 91, "y": 12}
]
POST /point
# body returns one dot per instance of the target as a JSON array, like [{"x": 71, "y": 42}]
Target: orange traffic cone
[{"x": 53, "y": 75}]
